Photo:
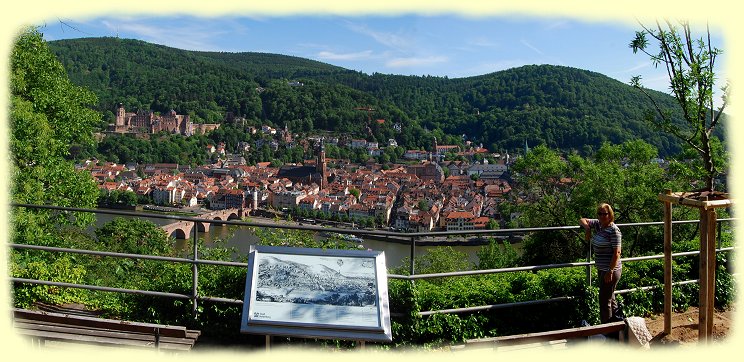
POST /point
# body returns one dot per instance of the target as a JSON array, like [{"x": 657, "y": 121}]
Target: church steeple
[
  {"x": 320, "y": 165},
  {"x": 434, "y": 155}
]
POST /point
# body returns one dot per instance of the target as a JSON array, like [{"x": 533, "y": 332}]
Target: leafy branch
[{"x": 690, "y": 66}]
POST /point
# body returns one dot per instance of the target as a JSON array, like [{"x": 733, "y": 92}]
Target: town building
[{"x": 308, "y": 174}]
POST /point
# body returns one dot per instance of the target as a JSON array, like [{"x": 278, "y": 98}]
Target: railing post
[
  {"x": 668, "y": 280},
  {"x": 588, "y": 260},
  {"x": 413, "y": 255},
  {"x": 195, "y": 272}
]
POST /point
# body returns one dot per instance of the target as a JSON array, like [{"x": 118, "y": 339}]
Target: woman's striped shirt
[{"x": 604, "y": 242}]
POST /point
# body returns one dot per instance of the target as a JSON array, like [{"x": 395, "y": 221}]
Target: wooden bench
[
  {"x": 45, "y": 326},
  {"x": 548, "y": 338}
]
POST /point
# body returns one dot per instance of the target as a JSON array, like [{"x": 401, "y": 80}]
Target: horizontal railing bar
[
  {"x": 221, "y": 300},
  {"x": 541, "y": 301},
  {"x": 391, "y": 234},
  {"x": 123, "y": 290},
  {"x": 537, "y": 267},
  {"x": 494, "y": 306},
  {"x": 127, "y": 255},
  {"x": 650, "y": 287},
  {"x": 99, "y": 288},
  {"x": 692, "y": 281},
  {"x": 489, "y": 271}
]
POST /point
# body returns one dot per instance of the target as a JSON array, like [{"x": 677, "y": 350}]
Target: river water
[{"x": 241, "y": 238}]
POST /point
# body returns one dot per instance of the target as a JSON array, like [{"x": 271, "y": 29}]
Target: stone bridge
[{"x": 184, "y": 229}]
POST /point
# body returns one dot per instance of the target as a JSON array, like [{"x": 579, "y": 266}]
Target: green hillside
[{"x": 562, "y": 107}]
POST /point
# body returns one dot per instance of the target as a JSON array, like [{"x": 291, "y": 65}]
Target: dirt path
[{"x": 685, "y": 327}]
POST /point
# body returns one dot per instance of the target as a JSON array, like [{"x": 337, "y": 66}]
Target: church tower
[
  {"x": 320, "y": 165},
  {"x": 434, "y": 155}
]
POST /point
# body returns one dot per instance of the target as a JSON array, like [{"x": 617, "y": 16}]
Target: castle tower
[{"x": 120, "y": 115}]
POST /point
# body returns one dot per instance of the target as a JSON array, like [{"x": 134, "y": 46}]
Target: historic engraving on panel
[{"x": 321, "y": 280}]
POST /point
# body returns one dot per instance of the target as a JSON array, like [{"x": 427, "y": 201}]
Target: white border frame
[{"x": 381, "y": 331}]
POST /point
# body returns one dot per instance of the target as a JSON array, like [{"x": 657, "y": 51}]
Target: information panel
[{"x": 317, "y": 293}]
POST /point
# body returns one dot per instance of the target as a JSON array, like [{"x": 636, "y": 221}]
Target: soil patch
[{"x": 685, "y": 327}]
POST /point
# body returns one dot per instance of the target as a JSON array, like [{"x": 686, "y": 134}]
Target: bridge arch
[
  {"x": 183, "y": 229},
  {"x": 203, "y": 227},
  {"x": 179, "y": 230},
  {"x": 178, "y": 234}
]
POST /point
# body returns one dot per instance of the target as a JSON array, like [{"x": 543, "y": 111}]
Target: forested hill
[{"x": 563, "y": 107}]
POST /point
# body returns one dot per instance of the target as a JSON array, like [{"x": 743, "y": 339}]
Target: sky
[{"x": 449, "y": 45}]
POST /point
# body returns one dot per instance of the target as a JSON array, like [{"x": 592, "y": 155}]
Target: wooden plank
[
  {"x": 22, "y": 326},
  {"x": 81, "y": 329},
  {"x": 557, "y": 344},
  {"x": 100, "y": 336},
  {"x": 100, "y": 332},
  {"x": 82, "y": 338},
  {"x": 568, "y": 333},
  {"x": 680, "y": 199},
  {"x": 193, "y": 334},
  {"x": 668, "y": 280},
  {"x": 104, "y": 340},
  {"x": 163, "y": 330}
]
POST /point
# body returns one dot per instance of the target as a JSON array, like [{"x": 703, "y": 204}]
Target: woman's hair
[{"x": 608, "y": 208}]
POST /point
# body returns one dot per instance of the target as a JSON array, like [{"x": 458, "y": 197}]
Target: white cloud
[
  {"x": 489, "y": 67},
  {"x": 415, "y": 61},
  {"x": 659, "y": 83},
  {"x": 483, "y": 41},
  {"x": 168, "y": 31},
  {"x": 388, "y": 39},
  {"x": 326, "y": 55},
  {"x": 525, "y": 43},
  {"x": 637, "y": 67},
  {"x": 558, "y": 25}
]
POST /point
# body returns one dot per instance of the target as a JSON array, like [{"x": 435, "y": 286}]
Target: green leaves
[
  {"x": 558, "y": 190},
  {"x": 639, "y": 42},
  {"x": 37, "y": 77},
  {"x": 134, "y": 236},
  {"x": 47, "y": 114}
]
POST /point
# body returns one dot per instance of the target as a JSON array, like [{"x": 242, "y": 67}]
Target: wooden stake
[
  {"x": 703, "y": 277},
  {"x": 712, "y": 218},
  {"x": 668, "y": 266}
]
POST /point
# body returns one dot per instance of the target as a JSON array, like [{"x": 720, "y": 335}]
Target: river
[{"x": 241, "y": 238}]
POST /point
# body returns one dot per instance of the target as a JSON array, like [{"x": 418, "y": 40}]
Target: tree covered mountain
[{"x": 562, "y": 107}]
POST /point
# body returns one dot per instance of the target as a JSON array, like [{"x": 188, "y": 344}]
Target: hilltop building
[{"x": 147, "y": 122}]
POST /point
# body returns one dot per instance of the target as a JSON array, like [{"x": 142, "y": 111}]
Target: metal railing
[{"x": 396, "y": 236}]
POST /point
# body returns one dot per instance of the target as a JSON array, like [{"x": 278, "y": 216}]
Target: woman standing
[{"x": 606, "y": 243}]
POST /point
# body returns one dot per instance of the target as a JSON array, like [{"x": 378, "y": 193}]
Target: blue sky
[{"x": 439, "y": 45}]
